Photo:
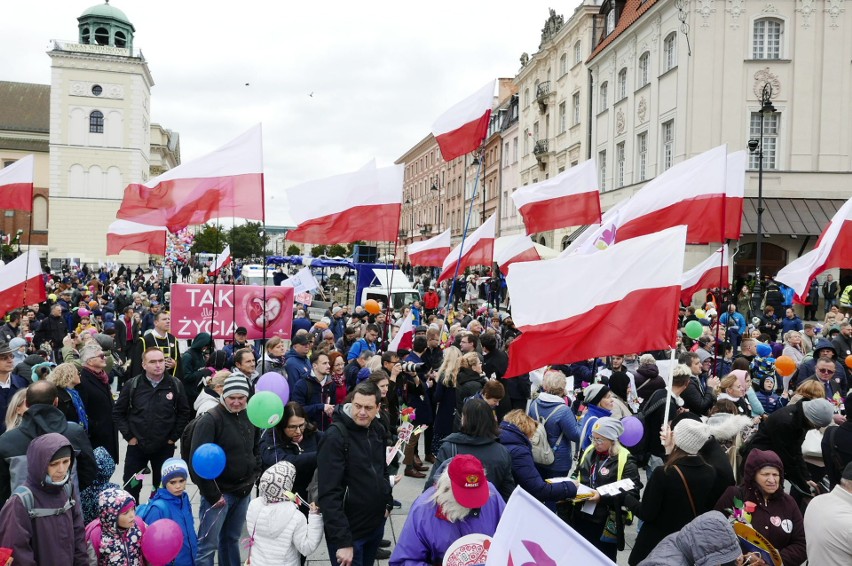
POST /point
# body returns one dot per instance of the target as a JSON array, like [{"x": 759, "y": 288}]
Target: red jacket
[{"x": 431, "y": 300}]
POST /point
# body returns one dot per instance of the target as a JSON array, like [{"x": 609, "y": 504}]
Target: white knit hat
[{"x": 691, "y": 436}]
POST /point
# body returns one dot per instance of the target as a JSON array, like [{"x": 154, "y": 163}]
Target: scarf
[
  {"x": 339, "y": 380},
  {"x": 102, "y": 375},
  {"x": 81, "y": 410}
]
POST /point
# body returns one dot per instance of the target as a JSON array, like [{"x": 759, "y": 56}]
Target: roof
[
  {"x": 790, "y": 216},
  {"x": 633, "y": 10},
  {"x": 106, "y": 11},
  {"x": 24, "y": 107},
  {"x": 29, "y": 145}
]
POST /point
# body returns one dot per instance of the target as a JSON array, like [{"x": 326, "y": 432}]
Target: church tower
[{"x": 100, "y": 132}]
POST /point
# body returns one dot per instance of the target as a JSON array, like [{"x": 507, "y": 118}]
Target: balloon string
[{"x": 220, "y": 509}]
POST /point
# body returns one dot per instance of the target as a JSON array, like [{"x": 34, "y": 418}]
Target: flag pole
[
  {"x": 215, "y": 277},
  {"x": 669, "y": 388},
  {"x": 464, "y": 233},
  {"x": 29, "y": 241}
]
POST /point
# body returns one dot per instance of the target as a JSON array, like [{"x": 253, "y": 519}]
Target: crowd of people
[{"x": 97, "y": 363}]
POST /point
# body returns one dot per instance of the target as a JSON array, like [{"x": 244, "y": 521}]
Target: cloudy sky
[{"x": 380, "y": 71}]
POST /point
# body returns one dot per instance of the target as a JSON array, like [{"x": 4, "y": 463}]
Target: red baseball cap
[{"x": 467, "y": 478}]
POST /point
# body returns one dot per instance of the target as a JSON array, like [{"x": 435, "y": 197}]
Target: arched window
[
  {"x": 102, "y": 36},
  {"x": 563, "y": 64},
  {"x": 670, "y": 51},
  {"x": 96, "y": 122},
  {"x": 566, "y": 241},
  {"x": 86, "y": 37},
  {"x": 39, "y": 213},
  {"x": 644, "y": 61},
  {"x": 120, "y": 39},
  {"x": 622, "y": 83},
  {"x": 578, "y": 52},
  {"x": 602, "y": 96},
  {"x": 766, "y": 39}
]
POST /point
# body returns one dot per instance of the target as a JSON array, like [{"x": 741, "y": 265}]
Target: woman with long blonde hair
[{"x": 445, "y": 396}]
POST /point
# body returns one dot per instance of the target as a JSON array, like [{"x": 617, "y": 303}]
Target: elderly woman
[
  {"x": 793, "y": 346},
  {"x": 599, "y": 403},
  {"x": 559, "y": 422},
  {"x": 273, "y": 357},
  {"x": 777, "y": 516},
  {"x": 96, "y": 393},
  {"x": 66, "y": 377}
]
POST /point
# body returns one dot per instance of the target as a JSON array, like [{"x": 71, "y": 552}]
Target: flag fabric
[
  {"x": 512, "y": 249},
  {"x": 612, "y": 289},
  {"x": 220, "y": 261},
  {"x": 530, "y": 534},
  {"x": 226, "y": 182},
  {"x": 691, "y": 193},
  {"x": 462, "y": 128},
  {"x": 127, "y": 235},
  {"x": 21, "y": 282},
  {"x": 706, "y": 275},
  {"x": 302, "y": 282},
  {"x": 404, "y": 337},
  {"x": 833, "y": 250},
  {"x": 597, "y": 236},
  {"x": 476, "y": 249},
  {"x": 364, "y": 205},
  {"x": 735, "y": 173},
  {"x": 16, "y": 185},
  {"x": 430, "y": 252},
  {"x": 572, "y": 198}
]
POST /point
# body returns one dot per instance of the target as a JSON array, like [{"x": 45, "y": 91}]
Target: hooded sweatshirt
[
  {"x": 89, "y": 496},
  {"x": 708, "y": 540},
  {"x": 25, "y": 368},
  {"x": 493, "y": 455},
  {"x": 112, "y": 544},
  {"x": 57, "y": 540},
  {"x": 179, "y": 510}
]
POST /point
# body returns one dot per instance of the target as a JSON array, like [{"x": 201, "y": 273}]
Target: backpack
[
  {"x": 313, "y": 486},
  {"x": 134, "y": 383},
  {"x": 186, "y": 435},
  {"x": 26, "y": 496},
  {"x": 541, "y": 449},
  {"x": 144, "y": 511}
]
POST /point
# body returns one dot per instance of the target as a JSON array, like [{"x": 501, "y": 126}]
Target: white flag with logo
[{"x": 302, "y": 282}]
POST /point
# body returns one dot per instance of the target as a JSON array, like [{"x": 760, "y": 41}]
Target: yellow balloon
[{"x": 700, "y": 313}]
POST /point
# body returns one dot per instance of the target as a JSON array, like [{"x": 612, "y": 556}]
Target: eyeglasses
[
  {"x": 103, "y": 356},
  {"x": 598, "y": 441},
  {"x": 6, "y": 356},
  {"x": 826, "y": 371},
  {"x": 297, "y": 426}
]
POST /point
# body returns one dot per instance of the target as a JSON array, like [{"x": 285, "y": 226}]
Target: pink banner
[{"x": 193, "y": 308}]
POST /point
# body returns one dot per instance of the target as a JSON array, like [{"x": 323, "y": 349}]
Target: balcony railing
[
  {"x": 543, "y": 90},
  {"x": 541, "y": 147}
]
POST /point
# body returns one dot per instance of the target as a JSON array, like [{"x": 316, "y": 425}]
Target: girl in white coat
[{"x": 279, "y": 530}]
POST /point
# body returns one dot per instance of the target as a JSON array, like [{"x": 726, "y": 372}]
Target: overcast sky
[{"x": 380, "y": 71}]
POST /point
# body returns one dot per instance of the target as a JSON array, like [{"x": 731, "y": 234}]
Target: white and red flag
[
  {"x": 462, "y": 128},
  {"x": 512, "y": 249},
  {"x": 833, "y": 250},
  {"x": 16, "y": 185},
  {"x": 430, "y": 252},
  {"x": 691, "y": 193},
  {"x": 404, "y": 337},
  {"x": 226, "y": 182},
  {"x": 21, "y": 282},
  {"x": 220, "y": 261},
  {"x": 364, "y": 205},
  {"x": 572, "y": 198},
  {"x": 476, "y": 249},
  {"x": 560, "y": 305},
  {"x": 706, "y": 275},
  {"x": 127, "y": 235}
]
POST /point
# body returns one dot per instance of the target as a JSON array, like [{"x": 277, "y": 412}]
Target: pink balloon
[
  {"x": 276, "y": 383},
  {"x": 633, "y": 431},
  {"x": 162, "y": 542}
]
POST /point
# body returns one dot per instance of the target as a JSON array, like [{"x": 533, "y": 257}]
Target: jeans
[
  {"x": 734, "y": 337},
  {"x": 221, "y": 529},
  {"x": 135, "y": 459},
  {"x": 654, "y": 462},
  {"x": 364, "y": 549}
]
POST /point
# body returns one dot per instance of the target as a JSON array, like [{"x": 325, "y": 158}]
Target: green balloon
[
  {"x": 265, "y": 409},
  {"x": 694, "y": 329}
]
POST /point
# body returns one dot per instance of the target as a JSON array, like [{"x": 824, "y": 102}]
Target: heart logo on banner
[{"x": 259, "y": 311}]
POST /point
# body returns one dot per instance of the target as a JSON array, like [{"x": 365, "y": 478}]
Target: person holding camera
[{"x": 415, "y": 393}]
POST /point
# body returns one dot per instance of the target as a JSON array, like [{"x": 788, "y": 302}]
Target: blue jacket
[
  {"x": 313, "y": 397},
  {"x": 788, "y": 324},
  {"x": 739, "y": 320},
  {"x": 524, "y": 471},
  {"x": 337, "y": 327},
  {"x": 563, "y": 423},
  {"x": 6, "y": 395},
  {"x": 297, "y": 366},
  {"x": 301, "y": 324},
  {"x": 593, "y": 413},
  {"x": 230, "y": 348},
  {"x": 359, "y": 347},
  {"x": 770, "y": 401},
  {"x": 179, "y": 511}
]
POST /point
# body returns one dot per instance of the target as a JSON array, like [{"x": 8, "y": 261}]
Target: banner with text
[{"x": 196, "y": 309}]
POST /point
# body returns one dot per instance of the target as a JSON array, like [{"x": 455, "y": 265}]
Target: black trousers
[{"x": 135, "y": 460}]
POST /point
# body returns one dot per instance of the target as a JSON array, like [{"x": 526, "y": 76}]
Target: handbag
[
  {"x": 812, "y": 446},
  {"x": 688, "y": 492}
]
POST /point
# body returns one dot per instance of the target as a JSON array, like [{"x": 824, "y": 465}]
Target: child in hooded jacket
[
  {"x": 172, "y": 502},
  {"x": 767, "y": 396},
  {"x": 278, "y": 531},
  {"x": 116, "y": 536},
  {"x": 89, "y": 496}
]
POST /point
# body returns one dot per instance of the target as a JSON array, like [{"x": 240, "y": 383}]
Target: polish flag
[
  {"x": 692, "y": 193},
  {"x": 572, "y": 198},
  {"x": 614, "y": 288},
  {"x": 220, "y": 261},
  {"x": 706, "y": 275},
  {"x": 127, "y": 235},
  {"x": 364, "y": 205},
  {"x": 227, "y": 182},
  {"x": 404, "y": 337},
  {"x": 462, "y": 128},
  {"x": 476, "y": 249},
  {"x": 16, "y": 185},
  {"x": 21, "y": 282},
  {"x": 597, "y": 236},
  {"x": 833, "y": 250},
  {"x": 512, "y": 249},
  {"x": 430, "y": 252}
]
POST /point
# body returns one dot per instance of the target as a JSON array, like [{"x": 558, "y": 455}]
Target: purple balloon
[
  {"x": 276, "y": 383},
  {"x": 633, "y": 431}
]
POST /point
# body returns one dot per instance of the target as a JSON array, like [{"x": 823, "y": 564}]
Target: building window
[
  {"x": 602, "y": 170},
  {"x": 506, "y": 155},
  {"x": 668, "y": 143},
  {"x": 619, "y": 165},
  {"x": 39, "y": 213},
  {"x": 526, "y": 97},
  {"x": 610, "y": 21},
  {"x": 578, "y": 52},
  {"x": 770, "y": 140},
  {"x": 96, "y": 122},
  {"x": 102, "y": 36},
  {"x": 526, "y": 141},
  {"x": 575, "y": 107},
  {"x": 641, "y": 155},
  {"x": 563, "y": 64},
  {"x": 562, "y": 118},
  {"x": 670, "y": 51},
  {"x": 766, "y": 42},
  {"x": 622, "y": 83},
  {"x": 643, "y": 68},
  {"x": 515, "y": 150},
  {"x": 602, "y": 95}
]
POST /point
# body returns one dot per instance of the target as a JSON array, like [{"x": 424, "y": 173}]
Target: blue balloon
[
  {"x": 764, "y": 350},
  {"x": 208, "y": 461}
]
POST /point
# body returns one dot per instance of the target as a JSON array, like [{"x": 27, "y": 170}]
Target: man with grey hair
[
  {"x": 96, "y": 395},
  {"x": 828, "y": 524}
]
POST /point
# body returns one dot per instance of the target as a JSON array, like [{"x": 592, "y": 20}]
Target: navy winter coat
[{"x": 523, "y": 467}]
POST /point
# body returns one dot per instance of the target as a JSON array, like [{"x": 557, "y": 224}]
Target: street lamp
[
  {"x": 436, "y": 186},
  {"x": 18, "y": 236},
  {"x": 756, "y": 146}
]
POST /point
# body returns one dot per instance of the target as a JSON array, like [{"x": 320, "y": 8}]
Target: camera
[{"x": 410, "y": 367}]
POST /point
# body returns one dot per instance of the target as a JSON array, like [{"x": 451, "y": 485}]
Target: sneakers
[
  {"x": 384, "y": 543},
  {"x": 383, "y": 554}
]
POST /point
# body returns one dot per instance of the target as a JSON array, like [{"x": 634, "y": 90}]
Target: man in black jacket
[
  {"x": 151, "y": 413},
  {"x": 52, "y": 329},
  {"x": 698, "y": 397},
  {"x": 42, "y": 417},
  {"x": 354, "y": 490}
]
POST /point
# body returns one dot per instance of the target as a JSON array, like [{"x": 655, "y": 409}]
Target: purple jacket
[
  {"x": 57, "y": 540},
  {"x": 425, "y": 537}
]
